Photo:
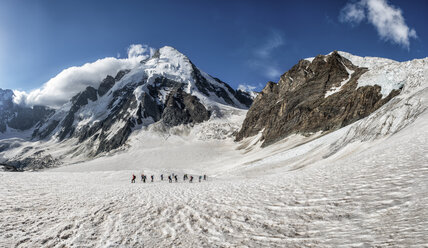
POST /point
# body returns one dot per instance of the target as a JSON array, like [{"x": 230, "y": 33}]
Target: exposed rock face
[
  {"x": 6, "y": 108},
  {"x": 244, "y": 97},
  {"x": 19, "y": 117},
  {"x": 321, "y": 95},
  {"x": 109, "y": 81},
  {"x": 36, "y": 161},
  {"x": 26, "y": 118},
  {"x": 183, "y": 108},
  {"x": 106, "y": 85},
  {"x": 78, "y": 101},
  {"x": 148, "y": 108}
]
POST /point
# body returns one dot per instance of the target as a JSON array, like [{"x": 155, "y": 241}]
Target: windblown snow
[{"x": 365, "y": 185}]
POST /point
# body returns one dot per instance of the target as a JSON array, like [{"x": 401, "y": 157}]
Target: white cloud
[
  {"x": 273, "y": 72},
  {"x": 263, "y": 60},
  {"x": 246, "y": 87},
  {"x": 353, "y": 13},
  {"x": 387, "y": 19},
  {"x": 250, "y": 89},
  {"x": 275, "y": 40},
  {"x": 59, "y": 89},
  {"x": 269, "y": 68},
  {"x": 136, "y": 50}
]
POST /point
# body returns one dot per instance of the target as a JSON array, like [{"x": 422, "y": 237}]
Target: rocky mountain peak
[
  {"x": 19, "y": 117},
  {"x": 166, "y": 88},
  {"x": 5, "y": 94},
  {"x": 317, "y": 94}
]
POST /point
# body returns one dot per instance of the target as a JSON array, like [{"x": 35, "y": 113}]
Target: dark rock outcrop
[
  {"x": 106, "y": 85},
  {"x": 43, "y": 133},
  {"x": 149, "y": 108},
  {"x": 26, "y": 118},
  {"x": 77, "y": 101},
  {"x": 124, "y": 99},
  {"x": 20, "y": 117},
  {"x": 206, "y": 88},
  {"x": 36, "y": 161},
  {"x": 183, "y": 108},
  {"x": 298, "y": 102},
  {"x": 109, "y": 81},
  {"x": 244, "y": 97},
  {"x": 120, "y": 74},
  {"x": 9, "y": 168}
]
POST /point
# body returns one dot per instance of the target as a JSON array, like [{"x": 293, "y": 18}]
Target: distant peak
[
  {"x": 369, "y": 62},
  {"x": 170, "y": 51}
]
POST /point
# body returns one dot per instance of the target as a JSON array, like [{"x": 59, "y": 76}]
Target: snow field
[{"x": 369, "y": 194}]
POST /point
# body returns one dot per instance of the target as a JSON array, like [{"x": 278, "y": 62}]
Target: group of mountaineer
[{"x": 170, "y": 178}]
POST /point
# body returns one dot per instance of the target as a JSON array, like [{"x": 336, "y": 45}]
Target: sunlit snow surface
[
  {"x": 365, "y": 185},
  {"x": 368, "y": 194},
  {"x": 371, "y": 195}
]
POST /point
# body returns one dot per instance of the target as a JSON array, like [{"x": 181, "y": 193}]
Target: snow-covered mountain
[
  {"x": 166, "y": 89},
  {"x": 16, "y": 117}
]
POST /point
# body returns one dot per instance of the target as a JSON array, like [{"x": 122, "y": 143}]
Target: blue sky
[{"x": 241, "y": 42}]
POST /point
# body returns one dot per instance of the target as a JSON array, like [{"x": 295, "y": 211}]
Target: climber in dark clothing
[
  {"x": 133, "y": 178},
  {"x": 153, "y": 177},
  {"x": 176, "y": 179},
  {"x": 161, "y": 177},
  {"x": 200, "y": 178},
  {"x": 191, "y": 179},
  {"x": 144, "y": 178},
  {"x": 170, "y": 178},
  {"x": 205, "y": 177}
]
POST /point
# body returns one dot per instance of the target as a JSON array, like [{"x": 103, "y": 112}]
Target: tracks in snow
[{"x": 314, "y": 207}]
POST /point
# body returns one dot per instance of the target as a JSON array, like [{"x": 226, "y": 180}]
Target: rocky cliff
[
  {"x": 19, "y": 117},
  {"x": 317, "y": 94}
]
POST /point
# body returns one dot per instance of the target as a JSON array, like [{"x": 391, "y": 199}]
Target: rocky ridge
[
  {"x": 19, "y": 117},
  {"x": 318, "y": 94}
]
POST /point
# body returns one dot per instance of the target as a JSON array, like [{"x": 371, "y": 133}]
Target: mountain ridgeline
[
  {"x": 166, "y": 88},
  {"x": 319, "y": 94},
  {"x": 19, "y": 117}
]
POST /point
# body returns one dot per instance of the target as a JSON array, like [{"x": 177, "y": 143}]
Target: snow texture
[{"x": 370, "y": 194}]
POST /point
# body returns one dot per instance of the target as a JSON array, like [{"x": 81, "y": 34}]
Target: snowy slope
[{"x": 371, "y": 193}]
